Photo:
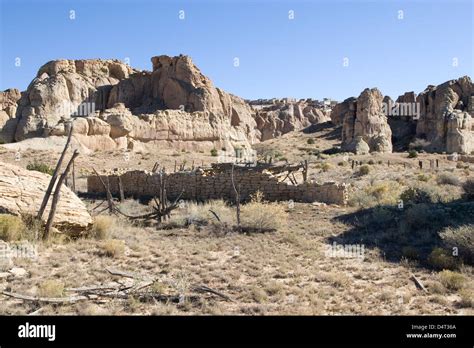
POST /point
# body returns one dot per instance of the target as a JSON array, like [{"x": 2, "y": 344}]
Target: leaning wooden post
[
  {"x": 237, "y": 197},
  {"x": 57, "y": 194},
  {"x": 49, "y": 190},
  {"x": 122, "y": 195},
  {"x": 74, "y": 176}
]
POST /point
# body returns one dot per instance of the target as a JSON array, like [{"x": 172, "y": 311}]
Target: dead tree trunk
[
  {"x": 56, "y": 196},
  {"x": 49, "y": 190}
]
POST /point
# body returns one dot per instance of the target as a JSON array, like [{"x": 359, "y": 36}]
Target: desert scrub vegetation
[
  {"x": 12, "y": 227},
  {"x": 113, "y": 247},
  {"x": 426, "y": 193},
  {"x": 261, "y": 216},
  {"x": 40, "y": 167},
  {"x": 102, "y": 226},
  {"x": 452, "y": 280},
  {"x": 441, "y": 259},
  {"x": 364, "y": 170},
  {"x": 448, "y": 179},
  {"x": 462, "y": 238},
  {"x": 379, "y": 193},
  {"x": 51, "y": 288},
  {"x": 468, "y": 187}
]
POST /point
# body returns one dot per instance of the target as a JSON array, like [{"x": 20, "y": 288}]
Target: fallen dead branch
[{"x": 138, "y": 290}]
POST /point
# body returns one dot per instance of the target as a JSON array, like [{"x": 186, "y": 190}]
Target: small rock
[{"x": 18, "y": 272}]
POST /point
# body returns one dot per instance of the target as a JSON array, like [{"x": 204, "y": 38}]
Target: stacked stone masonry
[{"x": 202, "y": 185}]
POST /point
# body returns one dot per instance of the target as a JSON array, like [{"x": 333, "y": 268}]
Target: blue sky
[{"x": 279, "y": 57}]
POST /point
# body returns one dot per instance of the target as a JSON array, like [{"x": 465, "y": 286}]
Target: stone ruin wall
[{"x": 202, "y": 186}]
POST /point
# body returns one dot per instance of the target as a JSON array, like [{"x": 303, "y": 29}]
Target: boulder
[{"x": 22, "y": 191}]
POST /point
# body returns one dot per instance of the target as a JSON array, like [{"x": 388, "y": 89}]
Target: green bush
[
  {"x": 214, "y": 152},
  {"x": 447, "y": 179},
  {"x": 40, "y": 167},
  {"x": 468, "y": 188},
  {"x": 441, "y": 259},
  {"x": 412, "y": 154},
  {"x": 310, "y": 141},
  {"x": 462, "y": 238},
  {"x": 364, "y": 170}
]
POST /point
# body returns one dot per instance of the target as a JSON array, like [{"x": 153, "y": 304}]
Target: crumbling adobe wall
[{"x": 202, "y": 185}]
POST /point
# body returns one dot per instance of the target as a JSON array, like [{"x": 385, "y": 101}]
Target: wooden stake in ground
[
  {"x": 237, "y": 197},
  {"x": 56, "y": 196},
  {"x": 122, "y": 195},
  {"x": 54, "y": 177}
]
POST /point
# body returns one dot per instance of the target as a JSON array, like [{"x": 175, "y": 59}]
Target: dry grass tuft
[
  {"x": 51, "y": 288},
  {"x": 261, "y": 216},
  {"x": 113, "y": 247},
  {"x": 102, "y": 227},
  {"x": 452, "y": 280},
  {"x": 11, "y": 227}
]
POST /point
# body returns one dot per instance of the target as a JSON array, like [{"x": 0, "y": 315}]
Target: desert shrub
[
  {"x": 425, "y": 193},
  {"x": 214, "y": 152},
  {"x": 326, "y": 166},
  {"x": 51, "y": 288},
  {"x": 410, "y": 252},
  {"x": 447, "y": 179},
  {"x": 40, "y": 167},
  {"x": 462, "y": 238},
  {"x": 261, "y": 216},
  {"x": 364, "y": 170},
  {"x": 361, "y": 198},
  {"x": 200, "y": 213},
  {"x": 381, "y": 217},
  {"x": 11, "y": 227},
  {"x": 341, "y": 163},
  {"x": 412, "y": 154},
  {"x": 310, "y": 141},
  {"x": 467, "y": 298},
  {"x": 113, "y": 247},
  {"x": 385, "y": 192},
  {"x": 451, "y": 280},
  {"x": 419, "y": 216},
  {"x": 371, "y": 162},
  {"x": 440, "y": 259},
  {"x": 102, "y": 227},
  {"x": 468, "y": 188},
  {"x": 423, "y": 178}
]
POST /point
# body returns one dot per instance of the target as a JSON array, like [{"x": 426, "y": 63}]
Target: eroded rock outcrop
[
  {"x": 368, "y": 124},
  {"x": 175, "y": 105},
  {"x": 22, "y": 191},
  {"x": 446, "y": 119},
  {"x": 281, "y": 118},
  {"x": 8, "y": 107},
  {"x": 60, "y": 87}
]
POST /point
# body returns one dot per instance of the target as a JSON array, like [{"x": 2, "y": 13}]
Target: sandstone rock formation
[
  {"x": 281, "y": 118},
  {"x": 22, "y": 191},
  {"x": 174, "y": 105},
  {"x": 60, "y": 87},
  {"x": 368, "y": 124},
  {"x": 8, "y": 107},
  {"x": 446, "y": 119},
  {"x": 347, "y": 108}
]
